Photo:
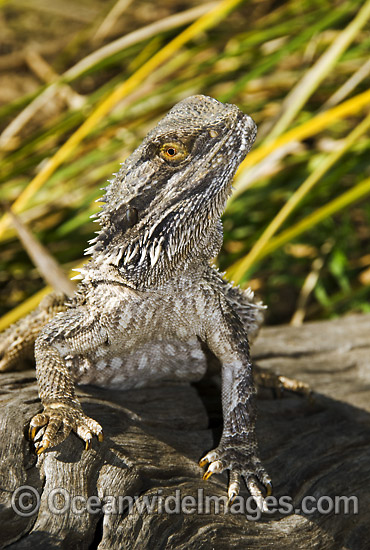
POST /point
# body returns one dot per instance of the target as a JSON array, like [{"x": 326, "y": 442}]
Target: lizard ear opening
[{"x": 132, "y": 216}]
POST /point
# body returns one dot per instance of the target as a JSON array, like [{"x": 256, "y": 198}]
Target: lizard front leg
[
  {"x": 68, "y": 334},
  {"x": 237, "y": 450}
]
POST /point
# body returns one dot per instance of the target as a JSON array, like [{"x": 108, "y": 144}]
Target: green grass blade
[
  {"x": 297, "y": 197},
  {"x": 313, "y": 77},
  {"x": 343, "y": 201}
]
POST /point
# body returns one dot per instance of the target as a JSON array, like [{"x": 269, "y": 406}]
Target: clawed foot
[
  {"x": 242, "y": 463},
  {"x": 56, "y": 422},
  {"x": 279, "y": 384}
]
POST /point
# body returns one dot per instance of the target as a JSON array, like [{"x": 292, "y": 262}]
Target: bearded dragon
[{"x": 149, "y": 301}]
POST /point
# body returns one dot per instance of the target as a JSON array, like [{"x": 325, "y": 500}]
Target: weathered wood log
[{"x": 155, "y": 436}]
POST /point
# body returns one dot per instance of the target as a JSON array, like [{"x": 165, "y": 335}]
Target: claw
[
  {"x": 100, "y": 437},
  {"x": 88, "y": 444},
  {"x": 203, "y": 462},
  {"x": 268, "y": 486},
  {"x": 234, "y": 488},
  {"x": 42, "y": 449},
  {"x": 207, "y": 475},
  {"x": 231, "y": 499},
  {"x": 32, "y": 432}
]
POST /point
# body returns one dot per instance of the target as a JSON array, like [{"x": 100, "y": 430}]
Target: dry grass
[{"x": 300, "y": 69}]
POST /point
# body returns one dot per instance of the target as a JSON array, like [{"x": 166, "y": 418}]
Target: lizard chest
[{"x": 150, "y": 337}]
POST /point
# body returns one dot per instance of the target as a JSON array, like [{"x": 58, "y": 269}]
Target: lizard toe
[
  {"x": 38, "y": 421},
  {"x": 242, "y": 462},
  {"x": 57, "y": 421}
]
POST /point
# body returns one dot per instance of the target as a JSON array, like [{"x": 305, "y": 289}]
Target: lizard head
[{"x": 163, "y": 208}]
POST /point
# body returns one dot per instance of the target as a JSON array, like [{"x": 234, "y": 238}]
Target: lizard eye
[{"x": 173, "y": 152}]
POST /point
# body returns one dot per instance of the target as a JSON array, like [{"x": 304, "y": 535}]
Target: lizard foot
[
  {"x": 241, "y": 462},
  {"x": 56, "y": 422},
  {"x": 279, "y": 384}
]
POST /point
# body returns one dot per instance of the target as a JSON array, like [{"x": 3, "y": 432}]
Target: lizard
[{"x": 150, "y": 299}]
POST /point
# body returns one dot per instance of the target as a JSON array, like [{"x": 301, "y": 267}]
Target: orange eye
[{"x": 173, "y": 152}]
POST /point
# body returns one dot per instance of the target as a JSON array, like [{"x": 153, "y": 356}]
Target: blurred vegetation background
[{"x": 82, "y": 82}]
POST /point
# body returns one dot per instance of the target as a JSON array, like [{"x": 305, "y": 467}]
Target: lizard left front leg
[
  {"x": 237, "y": 450},
  {"x": 74, "y": 332}
]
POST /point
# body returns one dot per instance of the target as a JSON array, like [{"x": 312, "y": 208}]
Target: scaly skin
[{"x": 149, "y": 296}]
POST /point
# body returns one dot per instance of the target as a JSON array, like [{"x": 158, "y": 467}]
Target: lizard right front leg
[
  {"x": 237, "y": 450},
  {"x": 64, "y": 336}
]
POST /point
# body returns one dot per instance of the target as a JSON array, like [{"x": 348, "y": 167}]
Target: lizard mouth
[{"x": 248, "y": 132}]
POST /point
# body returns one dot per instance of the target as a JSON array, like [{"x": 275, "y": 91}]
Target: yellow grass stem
[
  {"x": 346, "y": 199},
  {"x": 22, "y": 309},
  {"x": 297, "y": 197},
  {"x": 314, "y": 76},
  {"x": 311, "y": 127},
  {"x": 343, "y": 201},
  {"x": 123, "y": 90}
]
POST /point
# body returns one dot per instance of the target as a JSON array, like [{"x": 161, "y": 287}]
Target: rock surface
[{"x": 155, "y": 436}]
